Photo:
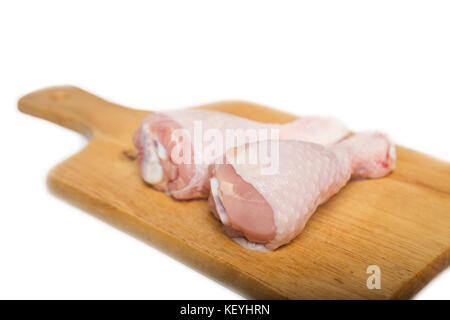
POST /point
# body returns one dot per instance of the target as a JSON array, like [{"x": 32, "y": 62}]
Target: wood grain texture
[{"x": 400, "y": 223}]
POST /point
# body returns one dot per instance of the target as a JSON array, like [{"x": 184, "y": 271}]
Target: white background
[{"x": 377, "y": 64}]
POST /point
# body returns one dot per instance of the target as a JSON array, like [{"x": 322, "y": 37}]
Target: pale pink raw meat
[
  {"x": 153, "y": 141},
  {"x": 263, "y": 212}
]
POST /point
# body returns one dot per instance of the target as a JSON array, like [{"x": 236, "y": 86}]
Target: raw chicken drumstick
[
  {"x": 190, "y": 180},
  {"x": 263, "y": 212}
]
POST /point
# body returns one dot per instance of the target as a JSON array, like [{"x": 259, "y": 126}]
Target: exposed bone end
[
  {"x": 152, "y": 171},
  {"x": 219, "y": 209}
]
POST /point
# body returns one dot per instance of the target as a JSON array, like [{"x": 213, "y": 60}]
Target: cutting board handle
[{"x": 76, "y": 109}]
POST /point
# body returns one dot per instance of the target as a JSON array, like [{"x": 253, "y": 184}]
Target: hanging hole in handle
[{"x": 59, "y": 95}]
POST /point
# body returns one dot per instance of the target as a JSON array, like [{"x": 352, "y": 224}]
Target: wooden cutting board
[{"x": 400, "y": 223}]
